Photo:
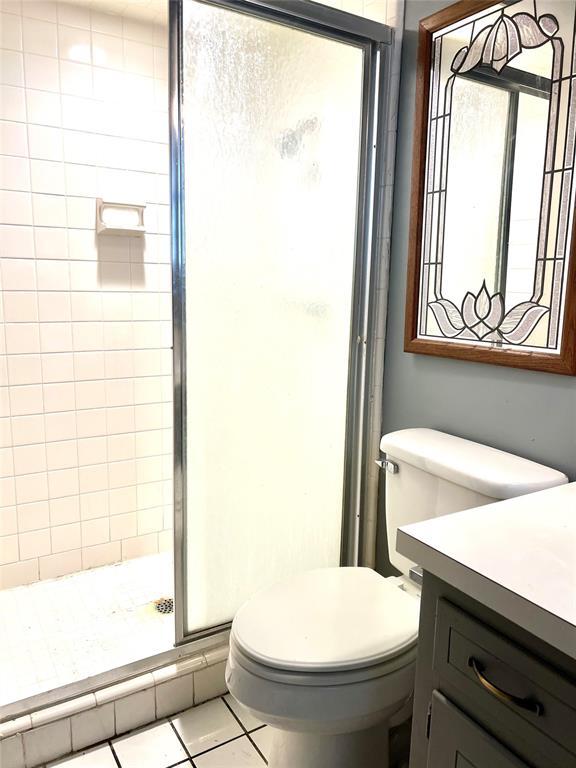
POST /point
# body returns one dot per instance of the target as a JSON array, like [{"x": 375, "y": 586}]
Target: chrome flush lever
[{"x": 388, "y": 465}]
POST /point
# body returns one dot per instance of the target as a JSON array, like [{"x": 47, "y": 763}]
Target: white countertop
[{"x": 517, "y": 557}]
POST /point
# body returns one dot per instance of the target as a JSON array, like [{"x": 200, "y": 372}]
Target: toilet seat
[{"x": 330, "y": 621}]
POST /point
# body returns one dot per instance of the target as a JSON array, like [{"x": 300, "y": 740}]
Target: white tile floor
[
  {"x": 217, "y": 734},
  {"x": 67, "y": 629}
]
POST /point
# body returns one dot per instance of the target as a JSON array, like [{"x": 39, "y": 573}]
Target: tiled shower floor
[{"x": 59, "y": 631}]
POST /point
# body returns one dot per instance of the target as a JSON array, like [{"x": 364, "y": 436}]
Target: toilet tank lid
[{"x": 486, "y": 470}]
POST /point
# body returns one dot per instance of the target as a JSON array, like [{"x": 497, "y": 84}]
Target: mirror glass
[{"x": 499, "y": 193}]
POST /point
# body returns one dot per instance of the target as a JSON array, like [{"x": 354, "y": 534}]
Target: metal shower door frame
[{"x": 375, "y": 41}]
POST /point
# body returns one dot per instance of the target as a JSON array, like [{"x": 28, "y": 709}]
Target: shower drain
[{"x": 164, "y": 605}]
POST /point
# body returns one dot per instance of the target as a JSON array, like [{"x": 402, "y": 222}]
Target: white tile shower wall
[{"x": 86, "y": 334}]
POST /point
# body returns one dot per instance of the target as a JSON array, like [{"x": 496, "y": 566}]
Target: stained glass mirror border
[{"x": 484, "y": 323}]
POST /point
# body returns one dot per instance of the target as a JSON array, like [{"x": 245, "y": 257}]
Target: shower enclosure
[
  {"x": 272, "y": 223},
  {"x": 275, "y": 114}
]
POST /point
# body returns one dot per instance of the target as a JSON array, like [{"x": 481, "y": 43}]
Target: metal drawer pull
[{"x": 532, "y": 706}]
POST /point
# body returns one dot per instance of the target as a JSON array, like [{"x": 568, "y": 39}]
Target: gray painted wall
[{"x": 528, "y": 413}]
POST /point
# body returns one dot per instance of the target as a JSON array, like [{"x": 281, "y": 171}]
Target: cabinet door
[{"x": 458, "y": 742}]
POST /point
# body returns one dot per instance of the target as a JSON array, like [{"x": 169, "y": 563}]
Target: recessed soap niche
[{"x": 119, "y": 218}]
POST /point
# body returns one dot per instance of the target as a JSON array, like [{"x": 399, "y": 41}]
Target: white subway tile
[
  {"x": 15, "y": 208},
  {"x": 29, "y": 459},
  {"x": 43, "y": 107},
  {"x": 62, "y": 454},
  {"x": 135, "y": 710},
  {"x": 64, "y": 510},
  {"x": 107, "y": 23},
  {"x": 101, "y": 554},
  {"x": 87, "y": 336},
  {"x": 34, "y": 544},
  {"x": 60, "y": 426},
  {"x": 81, "y": 212},
  {"x": 12, "y": 103},
  {"x": 134, "y": 29},
  {"x": 82, "y": 246},
  {"x": 40, "y": 9},
  {"x": 89, "y": 365},
  {"x": 90, "y": 394},
  {"x": 11, "y": 68},
  {"x": 57, "y": 367},
  {"x": 94, "y": 505},
  {"x": 54, "y": 305},
  {"x": 95, "y": 531},
  {"x": 59, "y": 397},
  {"x": 18, "y": 275},
  {"x": 74, "y": 15},
  {"x": 28, "y": 429},
  {"x": 121, "y": 447},
  {"x": 14, "y": 173},
  {"x": 60, "y": 564},
  {"x": 209, "y": 682},
  {"x": 83, "y": 275},
  {"x": 16, "y": 574},
  {"x": 107, "y": 51},
  {"x": 13, "y": 138},
  {"x": 122, "y": 500},
  {"x": 139, "y": 546},
  {"x": 139, "y": 58},
  {"x": 16, "y": 242},
  {"x": 47, "y": 176},
  {"x": 49, "y": 211},
  {"x": 24, "y": 369},
  {"x": 8, "y": 549},
  {"x": 6, "y": 462},
  {"x": 55, "y": 337},
  {"x": 75, "y": 79},
  {"x": 53, "y": 275},
  {"x": 10, "y": 32},
  {"x": 8, "y": 491},
  {"x": 45, "y": 143},
  {"x": 65, "y": 537},
  {"x": 51, "y": 243},
  {"x": 74, "y": 44},
  {"x": 92, "y": 450},
  {"x": 22, "y": 337},
  {"x": 9, "y": 521},
  {"x": 39, "y": 37},
  {"x": 26, "y": 400},
  {"x": 91, "y": 423},
  {"x": 41, "y": 72},
  {"x": 123, "y": 526},
  {"x": 20, "y": 307},
  {"x": 81, "y": 180},
  {"x": 34, "y": 516},
  {"x": 63, "y": 482},
  {"x": 93, "y": 726}
]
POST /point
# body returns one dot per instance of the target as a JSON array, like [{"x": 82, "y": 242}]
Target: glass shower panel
[{"x": 272, "y": 124}]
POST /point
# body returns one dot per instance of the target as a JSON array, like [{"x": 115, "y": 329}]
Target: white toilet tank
[{"x": 431, "y": 474}]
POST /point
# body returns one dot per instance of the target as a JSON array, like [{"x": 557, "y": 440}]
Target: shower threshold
[{"x": 64, "y": 630}]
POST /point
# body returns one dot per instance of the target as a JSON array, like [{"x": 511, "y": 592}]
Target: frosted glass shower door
[{"x": 272, "y": 119}]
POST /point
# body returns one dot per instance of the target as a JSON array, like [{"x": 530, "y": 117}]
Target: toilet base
[{"x": 366, "y": 748}]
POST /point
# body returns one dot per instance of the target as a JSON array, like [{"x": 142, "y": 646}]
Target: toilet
[{"x": 326, "y": 658}]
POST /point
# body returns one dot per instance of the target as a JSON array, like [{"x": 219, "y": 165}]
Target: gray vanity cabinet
[
  {"x": 458, "y": 742},
  {"x": 488, "y": 694}
]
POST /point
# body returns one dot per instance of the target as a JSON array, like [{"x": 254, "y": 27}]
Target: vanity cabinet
[{"x": 488, "y": 694}]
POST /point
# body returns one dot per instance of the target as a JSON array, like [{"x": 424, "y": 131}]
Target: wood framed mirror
[{"x": 492, "y": 261}]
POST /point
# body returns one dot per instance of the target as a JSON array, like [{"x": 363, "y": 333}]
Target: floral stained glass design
[{"x": 516, "y": 297}]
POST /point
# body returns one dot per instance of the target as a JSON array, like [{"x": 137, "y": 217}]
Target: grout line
[
  {"x": 115, "y": 756},
  {"x": 251, "y": 740},
  {"x": 184, "y": 747}
]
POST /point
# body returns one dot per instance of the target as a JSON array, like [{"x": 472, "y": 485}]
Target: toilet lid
[{"x": 327, "y": 619}]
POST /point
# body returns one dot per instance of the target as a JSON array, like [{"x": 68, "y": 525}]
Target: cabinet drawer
[
  {"x": 458, "y": 742},
  {"x": 528, "y": 701}
]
